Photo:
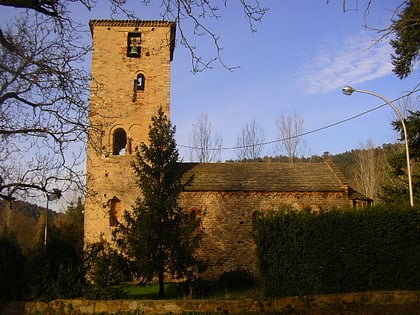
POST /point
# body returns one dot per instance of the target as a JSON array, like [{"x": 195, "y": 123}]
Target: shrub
[
  {"x": 105, "y": 266},
  {"x": 236, "y": 279},
  {"x": 305, "y": 252},
  {"x": 11, "y": 266}
]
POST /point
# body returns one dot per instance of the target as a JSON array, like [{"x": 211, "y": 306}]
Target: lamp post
[
  {"x": 55, "y": 195},
  {"x": 348, "y": 90}
]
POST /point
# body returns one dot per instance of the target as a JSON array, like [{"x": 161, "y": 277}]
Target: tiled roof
[
  {"x": 139, "y": 23},
  {"x": 273, "y": 176},
  {"x": 355, "y": 195},
  {"x": 132, "y": 23}
]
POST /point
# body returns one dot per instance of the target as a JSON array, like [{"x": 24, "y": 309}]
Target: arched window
[
  {"x": 119, "y": 142},
  {"x": 139, "y": 82},
  {"x": 133, "y": 45},
  {"x": 115, "y": 211}
]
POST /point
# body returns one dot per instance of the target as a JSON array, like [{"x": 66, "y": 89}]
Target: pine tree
[
  {"x": 157, "y": 235},
  {"x": 406, "y": 44}
]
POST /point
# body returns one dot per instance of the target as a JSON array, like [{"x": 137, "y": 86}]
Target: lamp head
[{"x": 348, "y": 90}]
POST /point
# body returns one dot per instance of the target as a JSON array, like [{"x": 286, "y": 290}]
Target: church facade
[{"x": 130, "y": 81}]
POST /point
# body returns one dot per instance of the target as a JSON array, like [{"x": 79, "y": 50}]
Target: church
[{"x": 130, "y": 80}]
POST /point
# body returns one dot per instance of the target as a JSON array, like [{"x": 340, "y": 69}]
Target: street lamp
[
  {"x": 348, "y": 90},
  {"x": 55, "y": 195}
]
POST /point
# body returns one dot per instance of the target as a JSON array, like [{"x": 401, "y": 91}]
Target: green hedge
[{"x": 305, "y": 252}]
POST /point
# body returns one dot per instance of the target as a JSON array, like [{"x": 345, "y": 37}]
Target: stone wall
[
  {"x": 227, "y": 220},
  {"x": 117, "y": 108},
  {"x": 367, "y": 303}
]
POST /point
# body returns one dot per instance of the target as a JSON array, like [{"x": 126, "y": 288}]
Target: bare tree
[
  {"x": 43, "y": 106},
  {"x": 369, "y": 171},
  {"x": 43, "y": 90},
  {"x": 289, "y": 132},
  {"x": 250, "y": 142},
  {"x": 205, "y": 143},
  {"x": 193, "y": 19}
]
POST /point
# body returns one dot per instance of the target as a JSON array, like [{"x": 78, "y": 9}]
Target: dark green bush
[
  {"x": 11, "y": 266},
  {"x": 306, "y": 252},
  {"x": 203, "y": 288},
  {"x": 236, "y": 279},
  {"x": 105, "y": 266},
  {"x": 55, "y": 273}
]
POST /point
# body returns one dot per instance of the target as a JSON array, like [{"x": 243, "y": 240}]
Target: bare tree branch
[
  {"x": 206, "y": 144},
  {"x": 250, "y": 142},
  {"x": 43, "y": 107},
  {"x": 290, "y": 129}
]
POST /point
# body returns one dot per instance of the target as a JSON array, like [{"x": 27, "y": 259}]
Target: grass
[
  {"x": 151, "y": 291},
  {"x": 204, "y": 290}
]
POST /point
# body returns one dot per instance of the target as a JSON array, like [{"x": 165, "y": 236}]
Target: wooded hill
[{"x": 28, "y": 220}]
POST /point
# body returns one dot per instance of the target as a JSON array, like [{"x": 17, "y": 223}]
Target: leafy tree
[
  {"x": 11, "y": 266},
  {"x": 157, "y": 235},
  {"x": 397, "y": 190},
  {"x": 57, "y": 271},
  {"x": 407, "y": 42},
  {"x": 404, "y": 31},
  {"x": 105, "y": 268},
  {"x": 71, "y": 225},
  {"x": 413, "y": 133}
]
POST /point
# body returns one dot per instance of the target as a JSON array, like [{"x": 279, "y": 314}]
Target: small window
[
  {"x": 133, "y": 45},
  {"x": 139, "y": 82},
  {"x": 120, "y": 142},
  {"x": 115, "y": 211}
]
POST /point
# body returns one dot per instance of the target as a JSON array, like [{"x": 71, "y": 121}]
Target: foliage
[
  {"x": 235, "y": 279},
  {"x": 56, "y": 271},
  {"x": 105, "y": 267},
  {"x": 407, "y": 43},
  {"x": 11, "y": 266},
  {"x": 157, "y": 235},
  {"x": 304, "y": 252},
  {"x": 412, "y": 123},
  {"x": 396, "y": 190},
  {"x": 70, "y": 226}
]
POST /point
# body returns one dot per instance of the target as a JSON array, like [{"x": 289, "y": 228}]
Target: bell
[{"x": 134, "y": 52}]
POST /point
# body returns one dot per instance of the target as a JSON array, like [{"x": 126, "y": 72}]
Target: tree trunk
[{"x": 161, "y": 284}]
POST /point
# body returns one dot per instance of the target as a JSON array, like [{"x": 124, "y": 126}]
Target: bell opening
[{"x": 134, "y": 52}]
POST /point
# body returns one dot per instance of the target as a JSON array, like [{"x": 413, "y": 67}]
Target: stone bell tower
[{"x": 130, "y": 81}]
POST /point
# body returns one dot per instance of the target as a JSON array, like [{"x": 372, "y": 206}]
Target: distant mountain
[{"x": 26, "y": 220}]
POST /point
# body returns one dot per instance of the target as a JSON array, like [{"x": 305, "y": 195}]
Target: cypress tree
[{"x": 157, "y": 235}]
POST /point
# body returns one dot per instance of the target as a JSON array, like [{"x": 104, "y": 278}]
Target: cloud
[{"x": 351, "y": 60}]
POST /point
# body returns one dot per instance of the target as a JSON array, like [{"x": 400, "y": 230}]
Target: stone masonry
[
  {"x": 121, "y": 109},
  {"x": 130, "y": 81}
]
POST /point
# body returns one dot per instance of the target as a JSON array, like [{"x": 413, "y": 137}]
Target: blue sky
[
  {"x": 303, "y": 53},
  {"x": 301, "y": 56}
]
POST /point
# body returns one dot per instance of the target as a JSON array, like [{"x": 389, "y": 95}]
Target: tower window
[
  {"x": 139, "y": 82},
  {"x": 120, "y": 142},
  {"x": 115, "y": 211},
  {"x": 133, "y": 45}
]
